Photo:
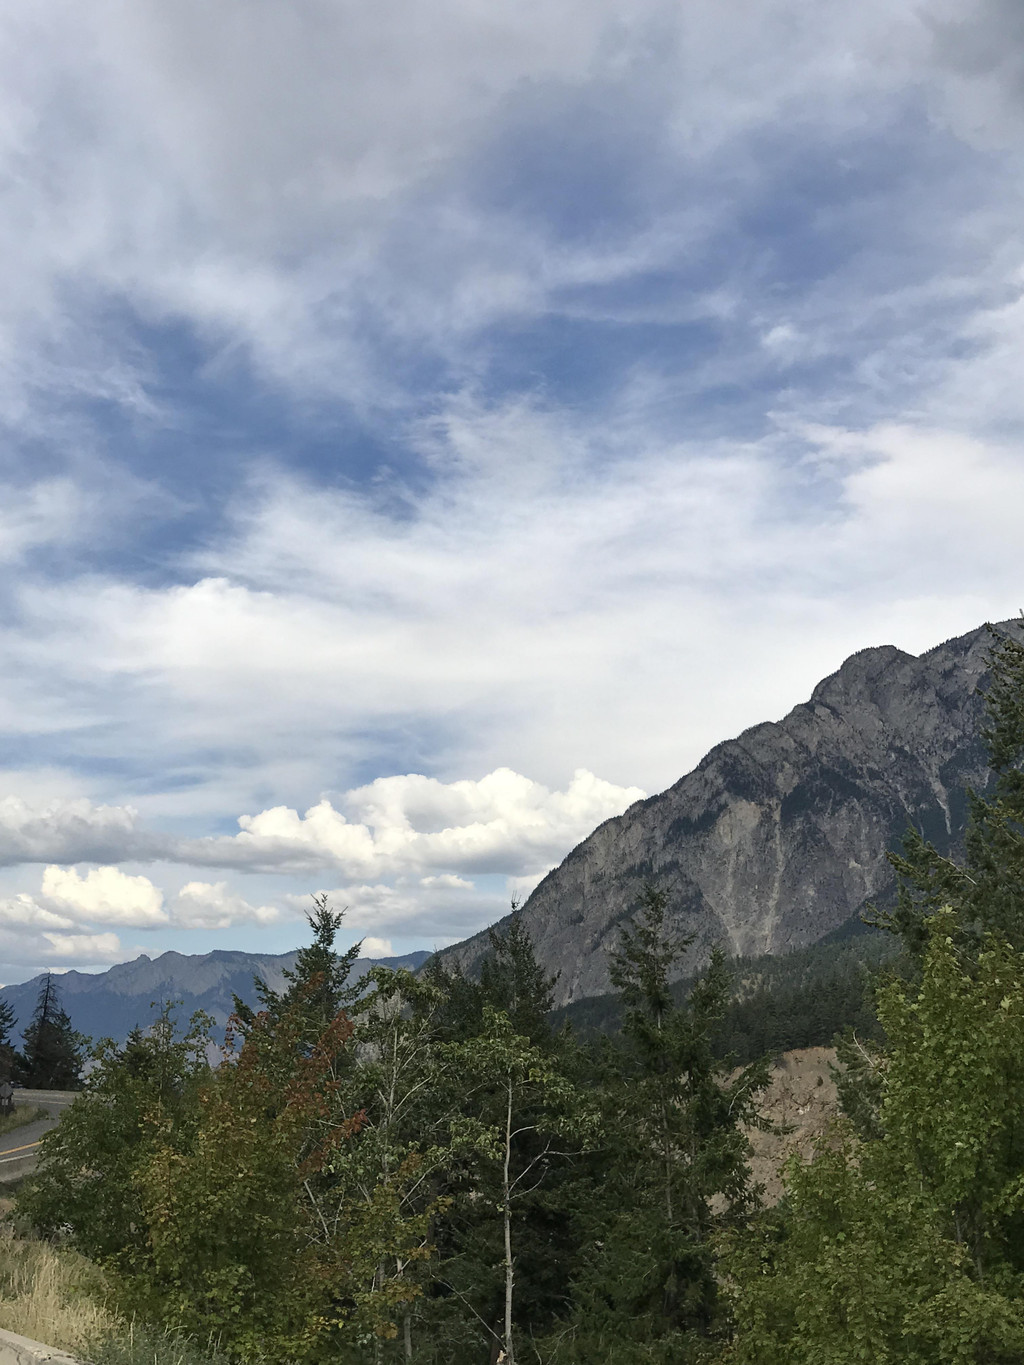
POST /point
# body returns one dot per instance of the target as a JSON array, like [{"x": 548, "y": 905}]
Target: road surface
[{"x": 20, "y": 1147}]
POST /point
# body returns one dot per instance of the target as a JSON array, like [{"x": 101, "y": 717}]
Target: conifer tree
[
  {"x": 7, "y": 1022},
  {"x": 318, "y": 985},
  {"x": 674, "y": 1165},
  {"x": 52, "y": 1052}
]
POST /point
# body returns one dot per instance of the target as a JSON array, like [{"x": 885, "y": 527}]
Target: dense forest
[
  {"x": 802, "y": 999},
  {"x": 433, "y": 1168}
]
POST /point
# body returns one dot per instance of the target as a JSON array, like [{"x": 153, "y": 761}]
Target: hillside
[{"x": 778, "y": 837}]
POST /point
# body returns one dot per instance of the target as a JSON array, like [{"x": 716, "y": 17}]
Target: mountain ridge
[
  {"x": 778, "y": 836},
  {"x": 112, "y": 1003}
]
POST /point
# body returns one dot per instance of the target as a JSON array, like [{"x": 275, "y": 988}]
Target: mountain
[
  {"x": 779, "y": 837},
  {"x": 111, "y": 1003}
]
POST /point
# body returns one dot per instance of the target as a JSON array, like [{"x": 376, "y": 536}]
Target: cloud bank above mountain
[
  {"x": 522, "y": 390},
  {"x": 415, "y": 832}
]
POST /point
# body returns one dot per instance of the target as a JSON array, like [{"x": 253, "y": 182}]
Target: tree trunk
[{"x": 509, "y": 1352}]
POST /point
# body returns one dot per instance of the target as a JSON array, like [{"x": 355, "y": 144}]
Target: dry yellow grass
[{"x": 51, "y": 1296}]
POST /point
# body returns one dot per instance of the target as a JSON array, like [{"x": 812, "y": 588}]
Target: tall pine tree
[
  {"x": 674, "y": 1165},
  {"x": 318, "y": 985},
  {"x": 7, "y": 1022},
  {"x": 52, "y": 1052}
]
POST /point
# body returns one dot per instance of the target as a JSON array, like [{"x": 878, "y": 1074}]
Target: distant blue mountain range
[{"x": 110, "y": 1004}]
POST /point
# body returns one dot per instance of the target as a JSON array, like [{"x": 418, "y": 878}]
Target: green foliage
[
  {"x": 909, "y": 1247},
  {"x": 801, "y": 999},
  {"x": 51, "y": 1056},
  {"x": 674, "y": 1162},
  {"x": 230, "y": 1245},
  {"x": 135, "y": 1097},
  {"x": 7, "y": 1054},
  {"x": 524, "y": 1104},
  {"x": 433, "y": 1176},
  {"x": 318, "y": 985},
  {"x": 511, "y": 980}
]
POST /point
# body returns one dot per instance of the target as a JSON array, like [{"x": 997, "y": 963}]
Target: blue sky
[{"x": 424, "y": 431}]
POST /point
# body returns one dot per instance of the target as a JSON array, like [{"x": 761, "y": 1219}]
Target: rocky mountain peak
[{"x": 779, "y": 836}]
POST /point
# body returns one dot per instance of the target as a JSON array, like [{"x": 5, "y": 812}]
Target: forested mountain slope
[{"x": 779, "y": 837}]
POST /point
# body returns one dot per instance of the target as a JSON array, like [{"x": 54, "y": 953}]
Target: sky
[{"x": 425, "y": 430}]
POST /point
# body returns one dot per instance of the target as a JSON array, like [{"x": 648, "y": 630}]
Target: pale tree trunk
[{"x": 508, "y": 1357}]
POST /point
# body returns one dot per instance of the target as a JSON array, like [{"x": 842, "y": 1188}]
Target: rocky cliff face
[{"x": 779, "y": 836}]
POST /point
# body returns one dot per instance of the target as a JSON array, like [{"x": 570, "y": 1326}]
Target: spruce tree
[
  {"x": 52, "y": 1052},
  {"x": 318, "y": 985},
  {"x": 7, "y": 1022},
  {"x": 674, "y": 1166}
]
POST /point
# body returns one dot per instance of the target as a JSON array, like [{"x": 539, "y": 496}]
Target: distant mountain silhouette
[{"x": 110, "y": 1004}]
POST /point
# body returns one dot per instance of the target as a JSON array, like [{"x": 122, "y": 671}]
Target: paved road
[{"x": 19, "y": 1148}]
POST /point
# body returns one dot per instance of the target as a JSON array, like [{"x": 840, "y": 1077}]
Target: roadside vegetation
[
  {"x": 55, "y": 1295},
  {"x": 22, "y": 1114},
  {"x": 425, "y": 1169}
]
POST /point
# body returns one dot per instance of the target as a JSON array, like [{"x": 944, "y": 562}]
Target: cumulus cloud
[
  {"x": 90, "y": 949},
  {"x": 23, "y": 911},
  {"x": 105, "y": 895},
  {"x": 376, "y": 947},
  {"x": 502, "y": 823},
  {"x": 432, "y": 915},
  {"x": 206, "y": 905},
  {"x": 31, "y": 940},
  {"x": 66, "y": 919}
]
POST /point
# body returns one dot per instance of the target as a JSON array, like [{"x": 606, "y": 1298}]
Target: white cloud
[
  {"x": 206, "y": 905},
  {"x": 615, "y": 580},
  {"x": 105, "y": 895},
  {"x": 32, "y": 940},
  {"x": 376, "y": 947},
  {"x": 91, "y": 949},
  {"x": 22, "y": 911},
  {"x": 432, "y": 916},
  {"x": 502, "y": 823},
  {"x": 275, "y": 176}
]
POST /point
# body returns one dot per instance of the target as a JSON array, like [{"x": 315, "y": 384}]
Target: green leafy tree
[
  {"x": 52, "y": 1053},
  {"x": 406, "y": 1093},
  {"x": 467, "y": 1304},
  {"x": 908, "y": 1247},
  {"x": 284, "y": 1225},
  {"x": 136, "y": 1096},
  {"x": 511, "y": 980},
  {"x": 527, "y": 1108}
]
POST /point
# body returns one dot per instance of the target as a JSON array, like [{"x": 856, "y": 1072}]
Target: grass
[
  {"x": 55, "y": 1296},
  {"x": 52, "y": 1296},
  {"x": 23, "y": 1113}
]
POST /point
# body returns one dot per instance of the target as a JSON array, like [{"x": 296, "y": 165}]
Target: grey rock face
[{"x": 780, "y": 836}]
